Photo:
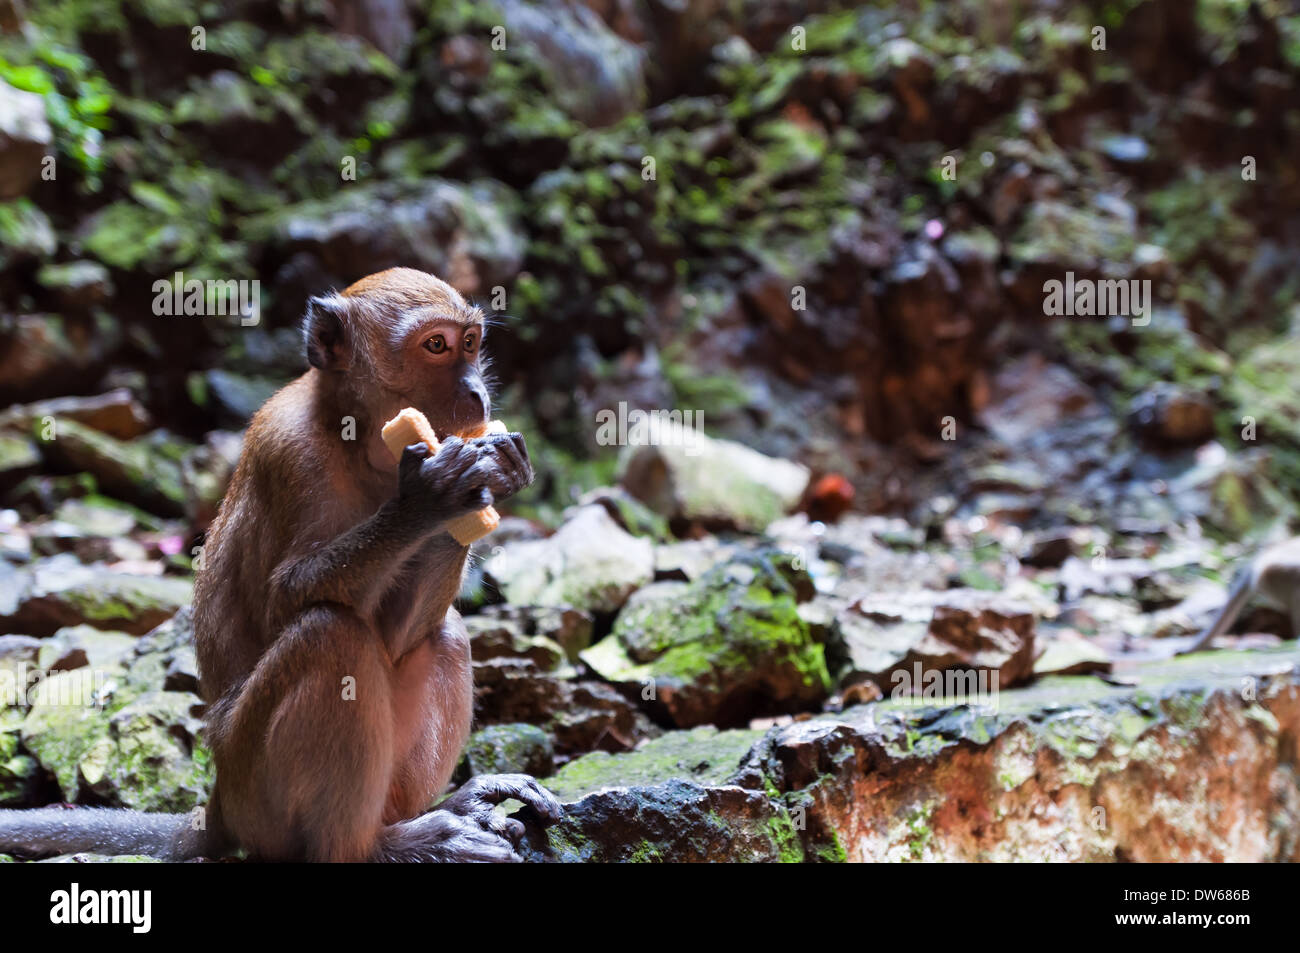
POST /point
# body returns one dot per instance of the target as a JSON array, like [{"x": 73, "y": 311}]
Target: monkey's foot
[{"x": 465, "y": 829}]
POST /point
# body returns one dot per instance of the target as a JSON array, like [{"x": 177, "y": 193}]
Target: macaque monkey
[
  {"x": 1274, "y": 575},
  {"x": 336, "y": 670}
]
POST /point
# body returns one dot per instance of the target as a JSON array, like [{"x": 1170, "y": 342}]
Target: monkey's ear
[{"x": 323, "y": 330}]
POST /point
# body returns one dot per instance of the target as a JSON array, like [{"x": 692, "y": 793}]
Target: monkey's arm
[{"x": 357, "y": 567}]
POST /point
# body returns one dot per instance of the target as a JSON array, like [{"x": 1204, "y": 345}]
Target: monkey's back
[{"x": 247, "y": 541}]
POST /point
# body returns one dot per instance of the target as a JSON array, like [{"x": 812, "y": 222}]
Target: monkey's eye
[
  {"x": 436, "y": 344},
  {"x": 471, "y": 341}
]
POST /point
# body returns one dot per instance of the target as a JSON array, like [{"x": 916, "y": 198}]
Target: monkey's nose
[{"x": 475, "y": 395}]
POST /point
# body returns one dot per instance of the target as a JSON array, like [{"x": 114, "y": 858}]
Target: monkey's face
[
  {"x": 442, "y": 374},
  {"x": 402, "y": 338}
]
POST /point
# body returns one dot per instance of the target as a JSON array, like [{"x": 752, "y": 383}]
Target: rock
[
  {"x": 1176, "y": 767},
  {"x": 42, "y": 354},
  {"x": 104, "y": 730},
  {"x": 1234, "y": 493},
  {"x": 136, "y": 471},
  {"x": 590, "y": 563},
  {"x": 691, "y": 558},
  {"x": 89, "y": 858},
  {"x": 1030, "y": 396},
  {"x": 494, "y": 637},
  {"x": 1071, "y": 769},
  {"x": 667, "y": 802},
  {"x": 467, "y": 234},
  {"x": 25, "y": 140},
  {"x": 19, "y": 458},
  {"x": 1066, "y": 652},
  {"x": 596, "y": 75},
  {"x": 1170, "y": 416},
  {"x": 535, "y": 632},
  {"x": 674, "y": 821},
  {"x": 629, "y": 512},
  {"x": 26, "y": 236},
  {"x": 206, "y": 471},
  {"x": 116, "y": 413},
  {"x": 236, "y": 397},
  {"x": 164, "y": 657},
  {"x": 385, "y": 23},
  {"x": 723, "y": 649},
  {"x": 139, "y": 751},
  {"x": 59, "y": 591},
  {"x": 94, "y": 518},
  {"x": 78, "y": 286},
  {"x": 19, "y": 649},
  {"x": 689, "y": 475},
  {"x": 19, "y": 772},
  {"x": 1049, "y": 549},
  {"x": 15, "y": 540},
  {"x": 509, "y": 749},
  {"x": 83, "y": 645},
  {"x": 895, "y": 640},
  {"x": 580, "y": 715},
  {"x": 43, "y": 494},
  {"x": 182, "y": 672}
]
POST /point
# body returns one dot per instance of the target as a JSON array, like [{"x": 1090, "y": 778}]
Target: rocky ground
[
  {"x": 734, "y": 692},
  {"x": 918, "y": 472}
]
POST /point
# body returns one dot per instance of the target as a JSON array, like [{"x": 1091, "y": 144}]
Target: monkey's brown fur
[{"x": 336, "y": 670}]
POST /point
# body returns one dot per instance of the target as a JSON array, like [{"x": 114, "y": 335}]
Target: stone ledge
[{"x": 1196, "y": 761}]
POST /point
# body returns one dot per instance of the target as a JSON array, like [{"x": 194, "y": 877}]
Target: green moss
[
  {"x": 509, "y": 749},
  {"x": 78, "y": 99},
  {"x": 25, "y": 232},
  {"x": 830, "y": 852},
  {"x": 703, "y": 754},
  {"x": 647, "y": 852},
  {"x": 780, "y": 829},
  {"x": 714, "y": 634},
  {"x": 920, "y": 831}
]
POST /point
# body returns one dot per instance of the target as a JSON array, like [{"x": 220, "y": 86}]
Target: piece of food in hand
[{"x": 411, "y": 426}]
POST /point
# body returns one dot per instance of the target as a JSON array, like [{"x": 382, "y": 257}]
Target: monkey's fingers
[
  {"x": 482, "y": 847},
  {"x": 489, "y": 474},
  {"x": 453, "y": 460},
  {"x": 507, "y": 827},
  {"x": 412, "y": 456},
  {"x": 521, "y": 445},
  {"x": 495, "y": 788},
  {"x": 516, "y": 462}
]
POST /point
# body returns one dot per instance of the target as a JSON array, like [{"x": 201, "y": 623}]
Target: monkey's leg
[
  {"x": 433, "y": 702},
  {"x": 304, "y": 751}
]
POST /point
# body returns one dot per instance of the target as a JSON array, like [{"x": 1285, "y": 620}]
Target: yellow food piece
[{"x": 410, "y": 426}]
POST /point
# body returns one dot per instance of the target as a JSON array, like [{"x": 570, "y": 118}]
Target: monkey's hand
[
  {"x": 504, "y": 462},
  {"x": 441, "y": 488},
  {"x": 473, "y": 831}
]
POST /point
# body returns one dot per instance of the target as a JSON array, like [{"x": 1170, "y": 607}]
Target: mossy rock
[
  {"x": 721, "y": 649},
  {"x": 509, "y": 749}
]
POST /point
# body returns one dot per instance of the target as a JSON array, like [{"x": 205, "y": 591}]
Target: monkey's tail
[
  {"x": 1242, "y": 587},
  {"x": 46, "y": 831}
]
